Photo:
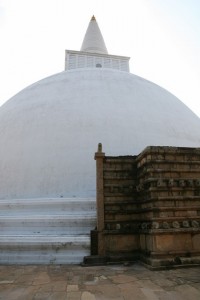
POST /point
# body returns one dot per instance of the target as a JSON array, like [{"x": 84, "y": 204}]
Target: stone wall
[
  {"x": 148, "y": 206},
  {"x": 169, "y": 196}
]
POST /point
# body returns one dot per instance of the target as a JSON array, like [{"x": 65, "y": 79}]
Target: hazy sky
[{"x": 162, "y": 37}]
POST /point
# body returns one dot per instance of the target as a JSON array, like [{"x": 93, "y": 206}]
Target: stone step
[
  {"x": 43, "y": 206},
  {"x": 43, "y": 249},
  {"x": 47, "y": 224},
  {"x": 46, "y": 231}
]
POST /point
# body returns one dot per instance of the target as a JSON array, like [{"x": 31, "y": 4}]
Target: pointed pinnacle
[{"x": 93, "y": 18}]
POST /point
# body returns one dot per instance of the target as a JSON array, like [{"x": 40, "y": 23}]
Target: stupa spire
[{"x": 93, "y": 40}]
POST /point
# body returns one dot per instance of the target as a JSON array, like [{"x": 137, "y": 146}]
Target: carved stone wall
[
  {"x": 169, "y": 195},
  {"x": 148, "y": 206},
  {"x": 120, "y": 205}
]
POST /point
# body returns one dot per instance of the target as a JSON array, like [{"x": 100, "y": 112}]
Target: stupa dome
[{"x": 50, "y": 130}]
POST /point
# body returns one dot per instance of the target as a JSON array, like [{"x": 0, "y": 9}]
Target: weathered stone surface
[
  {"x": 87, "y": 296},
  {"x": 121, "y": 278},
  {"x": 72, "y": 287},
  {"x": 162, "y": 206},
  {"x": 109, "y": 282}
]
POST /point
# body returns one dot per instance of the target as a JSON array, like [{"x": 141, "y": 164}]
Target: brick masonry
[{"x": 148, "y": 207}]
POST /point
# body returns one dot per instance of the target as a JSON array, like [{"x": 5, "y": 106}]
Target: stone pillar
[{"x": 99, "y": 157}]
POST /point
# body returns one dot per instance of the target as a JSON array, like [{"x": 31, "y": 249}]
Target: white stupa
[{"x": 50, "y": 130}]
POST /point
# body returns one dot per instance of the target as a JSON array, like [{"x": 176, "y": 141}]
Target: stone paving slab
[{"x": 119, "y": 282}]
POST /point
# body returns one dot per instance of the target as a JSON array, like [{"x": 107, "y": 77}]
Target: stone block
[
  {"x": 121, "y": 243},
  {"x": 143, "y": 242},
  {"x": 173, "y": 242},
  {"x": 196, "y": 241}
]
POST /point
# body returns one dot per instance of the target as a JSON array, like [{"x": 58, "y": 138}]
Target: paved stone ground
[{"x": 98, "y": 283}]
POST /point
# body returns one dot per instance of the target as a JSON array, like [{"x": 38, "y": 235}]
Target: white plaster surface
[
  {"x": 93, "y": 40},
  {"x": 79, "y": 59},
  {"x": 50, "y": 130},
  {"x": 51, "y": 206},
  {"x": 45, "y": 231}
]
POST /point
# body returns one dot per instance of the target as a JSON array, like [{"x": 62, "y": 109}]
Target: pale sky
[{"x": 162, "y": 37}]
